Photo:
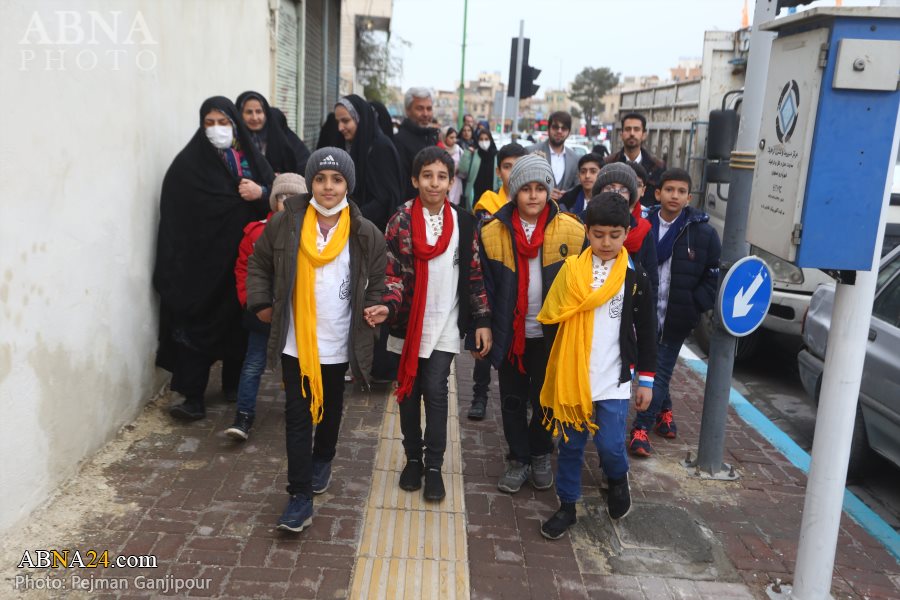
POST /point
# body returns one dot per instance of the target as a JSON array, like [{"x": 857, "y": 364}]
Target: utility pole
[
  {"x": 520, "y": 50},
  {"x": 462, "y": 69},
  {"x": 723, "y": 345}
]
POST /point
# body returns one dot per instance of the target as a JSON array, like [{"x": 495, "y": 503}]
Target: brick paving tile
[{"x": 756, "y": 519}]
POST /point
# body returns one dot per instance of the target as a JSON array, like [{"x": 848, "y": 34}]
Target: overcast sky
[{"x": 631, "y": 37}]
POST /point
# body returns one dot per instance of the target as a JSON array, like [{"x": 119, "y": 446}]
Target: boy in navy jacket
[{"x": 687, "y": 251}]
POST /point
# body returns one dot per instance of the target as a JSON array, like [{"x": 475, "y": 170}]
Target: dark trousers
[
  {"x": 519, "y": 392},
  {"x": 384, "y": 362},
  {"x": 302, "y": 450},
  {"x": 481, "y": 375},
  {"x": 191, "y": 372},
  {"x": 430, "y": 385}
]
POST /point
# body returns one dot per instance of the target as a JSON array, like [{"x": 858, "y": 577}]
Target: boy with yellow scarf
[
  {"x": 323, "y": 263},
  {"x": 604, "y": 307}
]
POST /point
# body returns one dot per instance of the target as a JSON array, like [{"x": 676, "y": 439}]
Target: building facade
[{"x": 79, "y": 329}]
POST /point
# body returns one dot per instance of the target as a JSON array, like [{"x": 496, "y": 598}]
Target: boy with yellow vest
[
  {"x": 604, "y": 307},
  {"x": 323, "y": 263},
  {"x": 523, "y": 249},
  {"x": 489, "y": 203}
]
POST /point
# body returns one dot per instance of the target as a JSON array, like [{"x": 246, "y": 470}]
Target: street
[{"x": 769, "y": 380}]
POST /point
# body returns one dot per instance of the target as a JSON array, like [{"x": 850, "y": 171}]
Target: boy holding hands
[{"x": 435, "y": 295}]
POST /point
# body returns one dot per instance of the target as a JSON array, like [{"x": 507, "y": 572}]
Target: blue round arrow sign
[{"x": 745, "y": 296}]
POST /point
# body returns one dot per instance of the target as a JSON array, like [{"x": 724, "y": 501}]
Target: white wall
[{"x": 82, "y": 157}]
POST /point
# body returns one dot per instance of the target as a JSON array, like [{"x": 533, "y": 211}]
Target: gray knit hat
[
  {"x": 530, "y": 167},
  {"x": 286, "y": 183},
  {"x": 617, "y": 173},
  {"x": 333, "y": 159}
]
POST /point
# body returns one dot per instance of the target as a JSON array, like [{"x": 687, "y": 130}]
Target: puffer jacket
[
  {"x": 695, "y": 274},
  {"x": 563, "y": 236},
  {"x": 272, "y": 270}
]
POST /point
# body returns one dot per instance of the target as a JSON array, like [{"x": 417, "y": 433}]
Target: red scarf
[
  {"x": 422, "y": 253},
  {"x": 525, "y": 251},
  {"x": 635, "y": 237}
]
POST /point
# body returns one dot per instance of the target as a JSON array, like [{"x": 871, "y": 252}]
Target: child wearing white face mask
[
  {"x": 323, "y": 263},
  {"x": 478, "y": 168}
]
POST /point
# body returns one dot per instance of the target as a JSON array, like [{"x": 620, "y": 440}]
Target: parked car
[{"x": 878, "y": 413}]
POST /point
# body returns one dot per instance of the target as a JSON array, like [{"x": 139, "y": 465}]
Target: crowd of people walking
[{"x": 382, "y": 254}]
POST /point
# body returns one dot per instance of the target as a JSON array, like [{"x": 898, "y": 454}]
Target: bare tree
[{"x": 587, "y": 90}]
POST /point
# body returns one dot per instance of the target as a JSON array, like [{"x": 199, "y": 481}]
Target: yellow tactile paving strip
[{"x": 411, "y": 548}]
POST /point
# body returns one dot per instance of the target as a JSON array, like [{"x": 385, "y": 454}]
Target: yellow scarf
[
  {"x": 308, "y": 260},
  {"x": 571, "y": 302},
  {"x": 492, "y": 201}
]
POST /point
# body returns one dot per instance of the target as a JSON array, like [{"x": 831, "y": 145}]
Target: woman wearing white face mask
[
  {"x": 479, "y": 168},
  {"x": 215, "y": 186}
]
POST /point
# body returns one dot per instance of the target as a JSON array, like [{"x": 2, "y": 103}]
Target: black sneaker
[
  {"x": 434, "y": 485},
  {"x": 298, "y": 514},
  {"x": 189, "y": 410},
  {"x": 618, "y": 499},
  {"x": 411, "y": 477},
  {"x": 240, "y": 430},
  {"x": 478, "y": 408},
  {"x": 557, "y": 525},
  {"x": 321, "y": 476}
]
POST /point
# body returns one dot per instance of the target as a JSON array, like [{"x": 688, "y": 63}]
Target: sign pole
[
  {"x": 835, "y": 418},
  {"x": 734, "y": 247}
]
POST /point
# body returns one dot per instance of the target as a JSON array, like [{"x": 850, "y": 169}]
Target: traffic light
[{"x": 529, "y": 73}]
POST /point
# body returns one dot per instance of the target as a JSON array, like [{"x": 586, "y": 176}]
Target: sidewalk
[{"x": 205, "y": 508}]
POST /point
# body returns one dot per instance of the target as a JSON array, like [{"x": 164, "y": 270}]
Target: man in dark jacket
[
  {"x": 633, "y": 134},
  {"x": 414, "y": 134},
  {"x": 688, "y": 251}
]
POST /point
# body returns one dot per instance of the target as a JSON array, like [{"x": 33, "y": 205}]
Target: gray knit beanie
[
  {"x": 530, "y": 167},
  {"x": 617, "y": 173},
  {"x": 286, "y": 183},
  {"x": 330, "y": 158}
]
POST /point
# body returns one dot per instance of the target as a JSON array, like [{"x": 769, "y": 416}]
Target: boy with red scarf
[
  {"x": 523, "y": 248},
  {"x": 622, "y": 179},
  {"x": 435, "y": 295}
]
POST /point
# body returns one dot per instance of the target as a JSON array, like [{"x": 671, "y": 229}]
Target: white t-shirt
[
  {"x": 533, "y": 329},
  {"x": 665, "y": 277},
  {"x": 440, "y": 328},
  {"x": 332, "y": 307},
  {"x": 606, "y": 355}
]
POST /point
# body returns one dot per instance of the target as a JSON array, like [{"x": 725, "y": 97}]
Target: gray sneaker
[
  {"x": 516, "y": 475},
  {"x": 541, "y": 472}
]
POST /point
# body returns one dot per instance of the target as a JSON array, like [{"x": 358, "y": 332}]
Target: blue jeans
[
  {"x": 666, "y": 357},
  {"x": 254, "y": 366},
  {"x": 610, "y": 416}
]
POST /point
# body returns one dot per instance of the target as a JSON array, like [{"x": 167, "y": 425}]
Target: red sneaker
[
  {"x": 665, "y": 426},
  {"x": 639, "y": 445}
]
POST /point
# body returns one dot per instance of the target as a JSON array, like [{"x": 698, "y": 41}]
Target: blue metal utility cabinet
[{"x": 826, "y": 136}]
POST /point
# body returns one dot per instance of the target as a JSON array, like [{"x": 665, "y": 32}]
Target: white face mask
[
  {"x": 484, "y": 145},
  {"x": 329, "y": 212},
  {"x": 220, "y": 136}
]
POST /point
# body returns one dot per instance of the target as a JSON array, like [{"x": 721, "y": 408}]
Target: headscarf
[
  {"x": 301, "y": 151},
  {"x": 384, "y": 119},
  {"x": 278, "y": 151},
  {"x": 202, "y": 220},
  {"x": 484, "y": 179},
  {"x": 378, "y": 187}
]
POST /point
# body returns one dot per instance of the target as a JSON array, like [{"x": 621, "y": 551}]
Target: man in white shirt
[{"x": 563, "y": 161}]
